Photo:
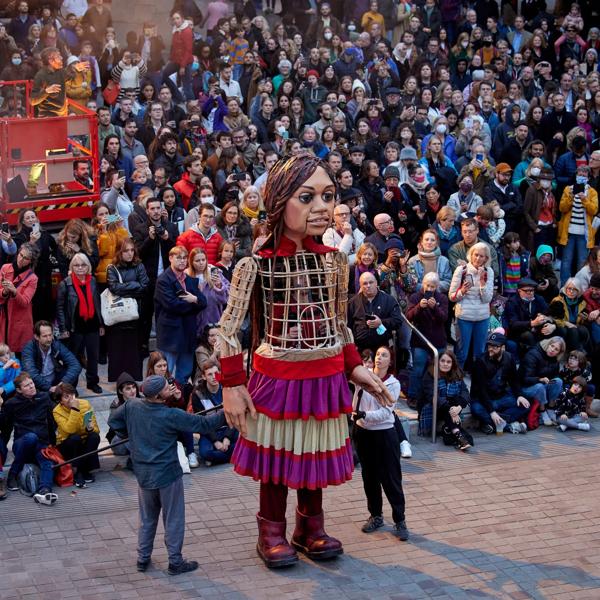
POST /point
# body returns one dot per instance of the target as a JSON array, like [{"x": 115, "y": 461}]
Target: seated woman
[
  {"x": 214, "y": 448},
  {"x": 539, "y": 374},
  {"x": 77, "y": 432},
  {"x": 430, "y": 260},
  {"x": 208, "y": 344},
  {"x": 569, "y": 312},
  {"x": 157, "y": 365},
  {"x": 453, "y": 396},
  {"x": 376, "y": 440},
  {"x": 427, "y": 311}
]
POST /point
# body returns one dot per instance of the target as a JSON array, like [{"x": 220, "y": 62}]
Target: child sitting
[
  {"x": 577, "y": 365},
  {"x": 9, "y": 369},
  {"x": 570, "y": 407}
]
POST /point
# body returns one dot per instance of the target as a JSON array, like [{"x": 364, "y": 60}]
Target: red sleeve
[
  {"x": 187, "y": 55},
  {"x": 351, "y": 359},
  {"x": 232, "y": 371}
]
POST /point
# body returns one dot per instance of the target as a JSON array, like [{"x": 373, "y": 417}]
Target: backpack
[{"x": 29, "y": 479}]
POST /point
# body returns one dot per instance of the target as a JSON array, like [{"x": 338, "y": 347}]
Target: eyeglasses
[
  {"x": 527, "y": 290},
  {"x": 571, "y": 289}
]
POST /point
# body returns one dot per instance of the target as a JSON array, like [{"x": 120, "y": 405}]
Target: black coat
[
  {"x": 47, "y": 247},
  {"x": 492, "y": 379},
  {"x": 510, "y": 202},
  {"x": 26, "y": 415},
  {"x": 133, "y": 283},
  {"x": 64, "y": 260},
  {"x": 67, "y": 303},
  {"x": 518, "y": 314},
  {"x": 535, "y": 365},
  {"x": 149, "y": 248}
]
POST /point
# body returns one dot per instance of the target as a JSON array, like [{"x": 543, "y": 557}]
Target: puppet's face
[{"x": 310, "y": 210}]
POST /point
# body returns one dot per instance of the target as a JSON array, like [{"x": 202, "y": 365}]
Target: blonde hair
[
  {"x": 83, "y": 258},
  {"x": 4, "y": 349},
  {"x": 556, "y": 339},
  {"x": 482, "y": 246}
]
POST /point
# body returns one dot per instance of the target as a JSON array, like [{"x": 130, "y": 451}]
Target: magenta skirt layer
[
  {"x": 320, "y": 397},
  {"x": 300, "y": 438}
]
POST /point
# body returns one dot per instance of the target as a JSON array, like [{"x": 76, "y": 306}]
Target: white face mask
[
  {"x": 328, "y": 35},
  {"x": 535, "y": 171},
  {"x": 441, "y": 129},
  {"x": 545, "y": 183},
  {"x": 351, "y": 27},
  {"x": 465, "y": 43},
  {"x": 209, "y": 199}
]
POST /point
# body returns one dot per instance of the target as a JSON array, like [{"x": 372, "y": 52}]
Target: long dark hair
[{"x": 455, "y": 373}]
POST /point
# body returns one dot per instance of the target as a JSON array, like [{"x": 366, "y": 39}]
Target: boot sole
[
  {"x": 277, "y": 564},
  {"x": 324, "y": 555}
]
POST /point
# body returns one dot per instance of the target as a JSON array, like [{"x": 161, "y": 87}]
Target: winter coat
[
  {"x": 176, "y": 318},
  {"x": 534, "y": 199},
  {"x": 449, "y": 393},
  {"x": 108, "y": 242},
  {"x": 8, "y": 372},
  {"x": 243, "y": 235},
  {"x": 16, "y": 319},
  {"x": 442, "y": 268},
  {"x": 510, "y": 202},
  {"x": 518, "y": 314},
  {"x": 493, "y": 379},
  {"x": 67, "y": 303},
  {"x": 590, "y": 207},
  {"x": 525, "y": 257},
  {"x": 66, "y": 366},
  {"x": 26, "y": 415},
  {"x": 133, "y": 283},
  {"x": 193, "y": 238},
  {"x": 181, "y": 45},
  {"x": 429, "y": 321},
  {"x": 475, "y": 304},
  {"x": 70, "y": 422},
  {"x": 216, "y": 301},
  {"x": 148, "y": 248},
  {"x": 537, "y": 364},
  {"x": 47, "y": 247}
]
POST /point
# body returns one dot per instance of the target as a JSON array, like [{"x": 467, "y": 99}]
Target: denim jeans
[
  {"x": 186, "y": 81},
  {"x": 576, "y": 248},
  {"x": 420, "y": 359},
  {"x": 596, "y": 333},
  {"x": 572, "y": 422},
  {"x": 543, "y": 392},
  {"x": 27, "y": 449},
  {"x": 207, "y": 450},
  {"x": 471, "y": 330},
  {"x": 180, "y": 365},
  {"x": 506, "y": 407}
]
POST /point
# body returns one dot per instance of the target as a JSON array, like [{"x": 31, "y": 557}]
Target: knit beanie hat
[
  {"x": 153, "y": 385},
  {"x": 543, "y": 249}
]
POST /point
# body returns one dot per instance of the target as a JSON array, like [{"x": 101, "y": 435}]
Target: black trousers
[
  {"x": 89, "y": 343},
  {"x": 379, "y": 454},
  {"x": 76, "y": 445}
]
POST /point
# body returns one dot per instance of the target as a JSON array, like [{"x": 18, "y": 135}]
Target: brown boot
[
  {"x": 272, "y": 546},
  {"x": 3, "y": 492},
  {"x": 588, "y": 407},
  {"x": 310, "y": 538}
]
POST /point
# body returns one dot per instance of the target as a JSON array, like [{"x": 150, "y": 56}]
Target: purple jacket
[{"x": 216, "y": 300}]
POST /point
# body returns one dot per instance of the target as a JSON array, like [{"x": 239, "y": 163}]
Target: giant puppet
[{"x": 293, "y": 413}]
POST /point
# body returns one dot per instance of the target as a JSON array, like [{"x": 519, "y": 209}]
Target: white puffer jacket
[{"x": 475, "y": 304}]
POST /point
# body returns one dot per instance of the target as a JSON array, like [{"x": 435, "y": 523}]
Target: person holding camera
[
  {"x": 578, "y": 207},
  {"x": 77, "y": 432}
]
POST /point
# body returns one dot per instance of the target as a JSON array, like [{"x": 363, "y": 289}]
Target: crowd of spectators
[{"x": 464, "y": 137}]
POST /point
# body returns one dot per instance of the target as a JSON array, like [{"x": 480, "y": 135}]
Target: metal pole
[
  {"x": 123, "y": 441},
  {"x": 436, "y": 375}
]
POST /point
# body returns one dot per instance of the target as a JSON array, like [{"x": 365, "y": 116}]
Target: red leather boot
[
  {"x": 310, "y": 538},
  {"x": 272, "y": 546}
]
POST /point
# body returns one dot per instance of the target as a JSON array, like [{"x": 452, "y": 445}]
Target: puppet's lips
[{"x": 319, "y": 222}]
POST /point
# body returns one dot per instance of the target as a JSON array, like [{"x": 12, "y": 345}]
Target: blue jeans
[
  {"x": 596, "y": 333},
  {"x": 27, "y": 449},
  {"x": 420, "y": 359},
  {"x": 207, "y": 450},
  {"x": 186, "y": 81},
  {"x": 576, "y": 248},
  {"x": 180, "y": 365},
  {"x": 471, "y": 330},
  {"x": 543, "y": 392},
  {"x": 506, "y": 407}
]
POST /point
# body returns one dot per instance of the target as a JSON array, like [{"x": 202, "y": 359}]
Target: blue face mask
[
  {"x": 16, "y": 61},
  {"x": 195, "y": 66},
  {"x": 581, "y": 179}
]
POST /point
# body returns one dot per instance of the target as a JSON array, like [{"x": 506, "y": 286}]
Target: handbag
[
  {"x": 111, "y": 92},
  {"x": 116, "y": 309},
  {"x": 63, "y": 476}
]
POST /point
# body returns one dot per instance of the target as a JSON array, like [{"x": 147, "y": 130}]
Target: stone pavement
[{"x": 517, "y": 517}]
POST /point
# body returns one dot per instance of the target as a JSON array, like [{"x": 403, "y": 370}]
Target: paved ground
[{"x": 517, "y": 517}]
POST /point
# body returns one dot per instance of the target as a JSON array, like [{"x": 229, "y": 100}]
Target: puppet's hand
[
  {"x": 236, "y": 403},
  {"x": 364, "y": 378}
]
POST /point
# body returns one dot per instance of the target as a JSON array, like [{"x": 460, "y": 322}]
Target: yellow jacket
[
  {"x": 590, "y": 205},
  {"x": 79, "y": 87},
  {"x": 70, "y": 422},
  {"x": 108, "y": 242}
]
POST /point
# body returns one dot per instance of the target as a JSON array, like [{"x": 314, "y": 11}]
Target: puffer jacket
[
  {"x": 133, "y": 283},
  {"x": 108, "y": 242},
  {"x": 537, "y": 364},
  {"x": 475, "y": 304}
]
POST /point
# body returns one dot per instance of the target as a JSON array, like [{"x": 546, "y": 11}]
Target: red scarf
[{"x": 86, "y": 304}]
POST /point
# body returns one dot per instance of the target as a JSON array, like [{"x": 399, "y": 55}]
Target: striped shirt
[{"x": 577, "y": 222}]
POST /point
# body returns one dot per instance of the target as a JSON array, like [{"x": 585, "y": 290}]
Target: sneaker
[
  {"x": 405, "y": 449},
  {"x": 193, "y": 460},
  {"x": 461, "y": 442},
  {"x": 3, "y": 491},
  {"x": 515, "y": 427},
  {"x": 400, "y": 531},
  {"x": 89, "y": 477},
  {"x": 523, "y": 427},
  {"x": 488, "y": 429},
  {"x": 142, "y": 565},
  {"x": 546, "y": 420},
  {"x": 12, "y": 484},
  {"x": 583, "y": 426},
  {"x": 372, "y": 524},
  {"x": 207, "y": 463},
  {"x": 45, "y": 497},
  {"x": 95, "y": 388},
  {"x": 185, "y": 567},
  {"x": 79, "y": 480},
  {"x": 562, "y": 427}
]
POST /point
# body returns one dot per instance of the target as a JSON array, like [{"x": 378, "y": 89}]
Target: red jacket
[
  {"x": 192, "y": 238},
  {"x": 186, "y": 188},
  {"x": 181, "y": 45},
  {"x": 16, "y": 320}
]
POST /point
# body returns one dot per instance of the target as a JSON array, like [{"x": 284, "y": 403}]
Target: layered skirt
[{"x": 300, "y": 438}]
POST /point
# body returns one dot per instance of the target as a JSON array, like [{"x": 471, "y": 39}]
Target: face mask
[
  {"x": 466, "y": 187},
  {"x": 441, "y": 129},
  {"x": 545, "y": 183},
  {"x": 16, "y": 61},
  {"x": 209, "y": 199},
  {"x": 581, "y": 179},
  {"x": 487, "y": 44},
  {"x": 406, "y": 135},
  {"x": 419, "y": 178},
  {"x": 535, "y": 171},
  {"x": 465, "y": 43},
  {"x": 281, "y": 130},
  {"x": 327, "y": 36},
  {"x": 351, "y": 27},
  {"x": 195, "y": 66}
]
